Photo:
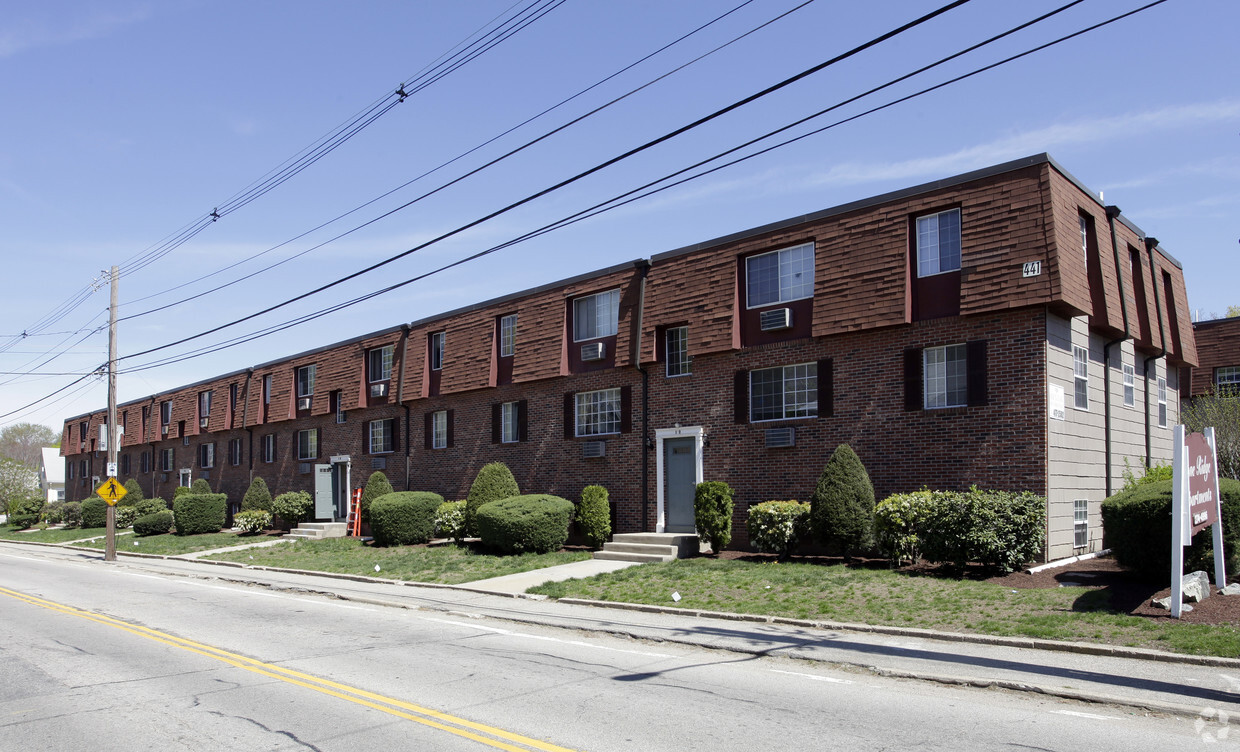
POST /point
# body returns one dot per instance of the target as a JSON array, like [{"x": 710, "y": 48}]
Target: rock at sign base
[
  {"x": 1165, "y": 604},
  {"x": 1196, "y": 587},
  {"x": 1232, "y": 589}
]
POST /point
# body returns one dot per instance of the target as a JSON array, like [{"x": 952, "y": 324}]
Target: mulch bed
[{"x": 1129, "y": 593}]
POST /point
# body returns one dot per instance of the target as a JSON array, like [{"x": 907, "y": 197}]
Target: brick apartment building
[
  {"x": 1000, "y": 328},
  {"x": 1218, "y": 348}
]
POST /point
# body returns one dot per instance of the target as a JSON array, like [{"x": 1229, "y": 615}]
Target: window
[
  {"x": 380, "y": 432},
  {"x": 267, "y": 448},
  {"x": 508, "y": 336},
  {"x": 232, "y": 399},
  {"x": 267, "y": 384},
  {"x": 1085, "y": 237},
  {"x": 510, "y": 422},
  {"x": 598, "y": 412},
  {"x": 1080, "y": 523},
  {"x": 165, "y": 415},
  {"x": 144, "y": 462},
  {"x": 437, "y": 344},
  {"x": 125, "y": 464},
  {"x": 596, "y": 315},
  {"x": 305, "y": 381},
  {"x": 379, "y": 363},
  {"x": 1130, "y": 389},
  {"x": 1080, "y": 373},
  {"x": 780, "y": 276},
  {"x": 204, "y": 404},
  {"x": 938, "y": 243},
  {"x": 82, "y": 468},
  {"x": 783, "y": 392},
  {"x": 72, "y": 467},
  {"x": 946, "y": 376},
  {"x": 439, "y": 429},
  {"x": 1227, "y": 377},
  {"x": 167, "y": 459},
  {"x": 337, "y": 399},
  {"x": 1162, "y": 403},
  {"x": 308, "y": 444},
  {"x": 676, "y": 344},
  {"x": 206, "y": 456},
  {"x": 234, "y": 452}
]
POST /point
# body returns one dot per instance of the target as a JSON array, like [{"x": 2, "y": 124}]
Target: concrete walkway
[{"x": 521, "y": 581}]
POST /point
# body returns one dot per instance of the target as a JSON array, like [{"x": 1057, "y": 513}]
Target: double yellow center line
[{"x": 481, "y": 733}]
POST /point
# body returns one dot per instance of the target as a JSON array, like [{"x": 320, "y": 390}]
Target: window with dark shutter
[
  {"x": 976, "y": 380},
  {"x": 826, "y": 388},
  {"x": 570, "y": 422},
  {"x": 523, "y": 421},
  {"x": 497, "y": 420},
  {"x": 626, "y": 409},
  {"x": 912, "y": 379},
  {"x": 740, "y": 397}
]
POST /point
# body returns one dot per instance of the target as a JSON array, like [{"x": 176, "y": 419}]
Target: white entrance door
[{"x": 679, "y": 459}]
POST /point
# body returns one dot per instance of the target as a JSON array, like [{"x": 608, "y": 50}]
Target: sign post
[{"x": 1195, "y": 505}]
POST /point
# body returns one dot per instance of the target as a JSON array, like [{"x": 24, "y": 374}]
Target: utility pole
[{"x": 109, "y": 552}]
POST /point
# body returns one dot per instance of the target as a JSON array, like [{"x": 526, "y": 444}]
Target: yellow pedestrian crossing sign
[{"x": 111, "y": 491}]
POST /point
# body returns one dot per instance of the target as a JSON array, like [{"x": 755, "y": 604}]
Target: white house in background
[{"x": 52, "y": 475}]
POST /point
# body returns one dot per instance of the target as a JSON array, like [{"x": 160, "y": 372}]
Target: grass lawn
[
  {"x": 172, "y": 545},
  {"x": 448, "y": 564},
  {"x": 883, "y": 596},
  {"x": 55, "y": 535}
]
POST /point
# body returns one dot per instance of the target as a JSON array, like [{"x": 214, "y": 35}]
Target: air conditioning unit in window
[
  {"x": 305, "y": 467},
  {"x": 592, "y": 449},
  {"x": 593, "y": 351},
  {"x": 778, "y": 438},
  {"x": 303, "y": 403},
  {"x": 378, "y": 463},
  {"x": 775, "y": 319},
  {"x": 379, "y": 390},
  {"x": 163, "y": 430},
  {"x": 203, "y": 423}
]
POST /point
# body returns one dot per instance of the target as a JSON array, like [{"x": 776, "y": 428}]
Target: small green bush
[
  {"x": 151, "y": 506},
  {"x": 712, "y": 513},
  {"x": 1151, "y": 474},
  {"x": 94, "y": 513},
  {"x": 450, "y": 520},
  {"x": 133, "y": 493},
  {"x": 535, "y": 523},
  {"x": 842, "y": 506},
  {"x": 493, "y": 482},
  {"x": 595, "y": 516},
  {"x": 776, "y": 527},
  {"x": 200, "y": 513},
  {"x": 257, "y": 496},
  {"x": 998, "y": 529},
  {"x": 898, "y": 519},
  {"x": 153, "y": 524},
  {"x": 54, "y": 512},
  {"x": 25, "y": 511},
  {"x": 180, "y": 491},
  {"x": 1138, "y": 530},
  {"x": 252, "y": 520},
  {"x": 294, "y": 507},
  {"x": 376, "y": 485},
  {"x": 71, "y": 514},
  {"x": 125, "y": 516},
  {"x": 200, "y": 486},
  {"x": 403, "y": 518}
]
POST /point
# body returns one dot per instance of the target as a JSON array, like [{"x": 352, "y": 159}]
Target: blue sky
[{"x": 126, "y": 122}]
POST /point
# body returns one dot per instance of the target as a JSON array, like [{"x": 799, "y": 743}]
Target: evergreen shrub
[
  {"x": 403, "y": 518},
  {"x": 71, "y": 514},
  {"x": 493, "y": 482},
  {"x": 776, "y": 527},
  {"x": 157, "y": 523},
  {"x": 200, "y": 513},
  {"x": 536, "y": 523},
  {"x": 125, "y": 516},
  {"x": 294, "y": 507},
  {"x": 151, "y": 506},
  {"x": 712, "y": 513},
  {"x": 133, "y": 493},
  {"x": 200, "y": 486},
  {"x": 377, "y": 485},
  {"x": 898, "y": 520},
  {"x": 1138, "y": 530},
  {"x": 94, "y": 513},
  {"x": 594, "y": 516},
  {"x": 25, "y": 510},
  {"x": 257, "y": 496},
  {"x": 842, "y": 505}
]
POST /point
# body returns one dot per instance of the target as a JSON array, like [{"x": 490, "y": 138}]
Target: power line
[{"x": 601, "y": 166}]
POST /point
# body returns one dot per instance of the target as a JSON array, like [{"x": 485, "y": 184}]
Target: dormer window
[
  {"x": 379, "y": 363},
  {"x": 596, "y": 316},
  {"x": 779, "y": 276}
]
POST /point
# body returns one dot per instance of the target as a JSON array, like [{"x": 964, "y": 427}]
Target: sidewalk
[{"x": 1139, "y": 680}]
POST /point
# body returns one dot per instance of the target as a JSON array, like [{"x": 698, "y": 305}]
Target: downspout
[
  {"x": 1112, "y": 213},
  {"x": 245, "y": 420},
  {"x": 150, "y": 414},
  {"x": 637, "y": 363},
  {"x": 1150, "y": 244},
  {"x": 400, "y": 398}
]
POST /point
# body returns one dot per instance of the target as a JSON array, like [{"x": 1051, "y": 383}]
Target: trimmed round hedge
[
  {"x": 535, "y": 523},
  {"x": 200, "y": 513},
  {"x": 404, "y": 517},
  {"x": 157, "y": 523},
  {"x": 493, "y": 482},
  {"x": 1138, "y": 530},
  {"x": 94, "y": 512}
]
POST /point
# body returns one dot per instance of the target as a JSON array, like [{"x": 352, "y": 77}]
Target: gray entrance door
[
  {"x": 680, "y": 477},
  {"x": 323, "y": 496}
]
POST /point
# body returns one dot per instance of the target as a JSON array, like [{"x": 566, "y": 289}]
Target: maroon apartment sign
[{"x": 1202, "y": 482}]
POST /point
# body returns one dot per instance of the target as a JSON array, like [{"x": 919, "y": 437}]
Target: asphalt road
[{"x": 103, "y": 656}]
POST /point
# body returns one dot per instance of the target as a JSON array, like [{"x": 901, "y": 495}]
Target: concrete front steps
[
  {"x": 319, "y": 530},
  {"x": 643, "y": 547}
]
